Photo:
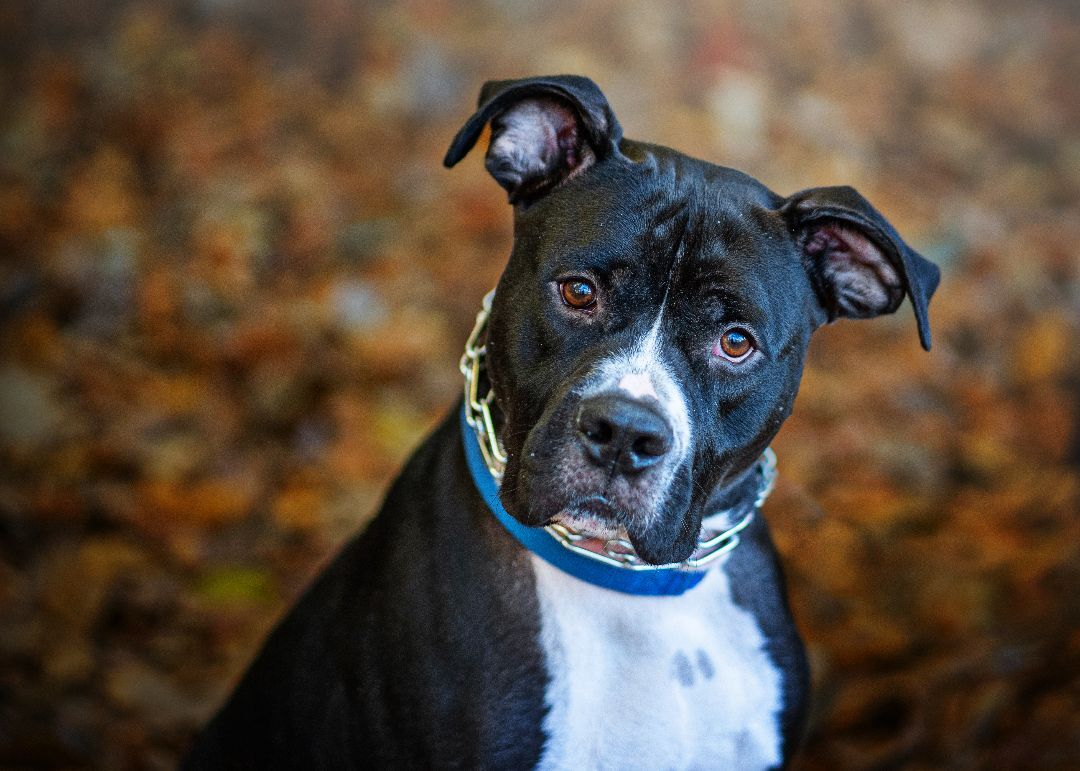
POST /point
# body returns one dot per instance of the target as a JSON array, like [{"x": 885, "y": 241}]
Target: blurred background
[{"x": 235, "y": 281}]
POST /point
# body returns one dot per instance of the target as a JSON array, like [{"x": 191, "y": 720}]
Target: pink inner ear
[
  {"x": 862, "y": 279},
  {"x": 536, "y": 144},
  {"x": 567, "y": 138}
]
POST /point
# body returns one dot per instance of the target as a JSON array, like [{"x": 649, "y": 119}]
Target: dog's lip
[
  {"x": 596, "y": 507},
  {"x": 594, "y": 516}
]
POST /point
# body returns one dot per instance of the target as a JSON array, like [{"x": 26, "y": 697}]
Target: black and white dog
[{"x": 614, "y": 602}]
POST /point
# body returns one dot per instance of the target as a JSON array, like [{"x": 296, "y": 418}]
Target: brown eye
[
  {"x": 578, "y": 293},
  {"x": 735, "y": 344}
]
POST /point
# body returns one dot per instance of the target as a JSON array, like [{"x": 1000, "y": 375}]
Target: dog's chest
[{"x": 655, "y": 682}]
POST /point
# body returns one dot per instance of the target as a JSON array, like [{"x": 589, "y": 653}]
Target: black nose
[{"x": 624, "y": 432}]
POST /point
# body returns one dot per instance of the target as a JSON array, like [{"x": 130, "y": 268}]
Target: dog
[{"x": 572, "y": 571}]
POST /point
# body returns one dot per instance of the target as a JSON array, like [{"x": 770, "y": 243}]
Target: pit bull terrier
[{"x": 572, "y": 571}]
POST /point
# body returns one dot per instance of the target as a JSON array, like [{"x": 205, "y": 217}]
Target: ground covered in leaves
[{"x": 235, "y": 280}]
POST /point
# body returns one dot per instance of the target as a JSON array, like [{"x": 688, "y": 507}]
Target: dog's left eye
[
  {"x": 578, "y": 293},
  {"x": 734, "y": 345}
]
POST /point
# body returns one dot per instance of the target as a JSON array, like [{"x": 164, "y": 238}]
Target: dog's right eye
[{"x": 578, "y": 293}]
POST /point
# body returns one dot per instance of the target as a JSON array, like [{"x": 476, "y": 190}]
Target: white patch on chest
[{"x": 655, "y": 682}]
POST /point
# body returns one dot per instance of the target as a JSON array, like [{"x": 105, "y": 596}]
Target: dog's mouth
[
  {"x": 594, "y": 518},
  {"x": 559, "y": 487}
]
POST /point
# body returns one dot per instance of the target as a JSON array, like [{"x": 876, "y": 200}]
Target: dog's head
[{"x": 648, "y": 335}]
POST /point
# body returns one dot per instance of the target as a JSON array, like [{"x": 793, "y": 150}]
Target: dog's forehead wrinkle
[{"x": 701, "y": 193}]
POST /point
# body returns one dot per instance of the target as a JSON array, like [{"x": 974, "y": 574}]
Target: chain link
[
  {"x": 478, "y": 412},
  {"x": 617, "y": 552}
]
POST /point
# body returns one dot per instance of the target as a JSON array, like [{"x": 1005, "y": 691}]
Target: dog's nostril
[
  {"x": 597, "y": 430},
  {"x": 593, "y": 424},
  {"x": 650, "y": 445}
]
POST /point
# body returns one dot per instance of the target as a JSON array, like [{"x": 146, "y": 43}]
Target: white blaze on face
[
  {"x": 638, "y": 385},
  {"x": 641, "y": 373}
]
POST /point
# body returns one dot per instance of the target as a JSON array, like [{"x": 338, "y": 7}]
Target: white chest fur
[{"x": 655, "y": 682}]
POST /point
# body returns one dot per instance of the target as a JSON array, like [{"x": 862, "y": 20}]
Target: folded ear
[
  {"x": 543, "y": 130},
  {"x": 859, "y": 264}
]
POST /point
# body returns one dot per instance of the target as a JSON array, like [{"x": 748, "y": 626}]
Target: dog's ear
[
  {"x": 858, "y": 263},
  {"x": 543, "y": 130}
]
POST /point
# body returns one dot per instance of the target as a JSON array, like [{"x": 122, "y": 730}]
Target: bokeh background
[{"x": 236, "y": 280}]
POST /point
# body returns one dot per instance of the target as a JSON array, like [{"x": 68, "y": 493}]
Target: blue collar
[{"x": 658, "y": 582}]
